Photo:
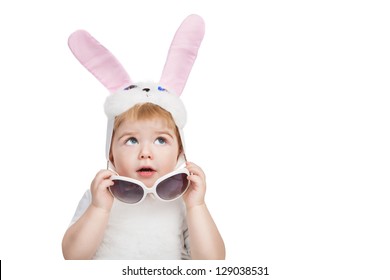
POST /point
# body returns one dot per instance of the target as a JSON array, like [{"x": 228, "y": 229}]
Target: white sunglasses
[{"x": 167, "y": 188}]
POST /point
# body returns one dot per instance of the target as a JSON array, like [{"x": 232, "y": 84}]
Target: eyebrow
[
  {"x": 126, "y": 133},
  {"x": 132, "y": 133},
  {"x": 164, "y": 132}
]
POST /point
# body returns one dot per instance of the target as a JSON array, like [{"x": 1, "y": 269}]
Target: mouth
[{"x": 146, "y": 171}]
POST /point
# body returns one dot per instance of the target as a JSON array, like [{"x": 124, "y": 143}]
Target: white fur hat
[{"x": 124, "y": 93}]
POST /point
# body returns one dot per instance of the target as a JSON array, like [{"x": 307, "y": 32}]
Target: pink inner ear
[
  {"x": 182, "y": 54},
  {"x": 98, "y": 60}
]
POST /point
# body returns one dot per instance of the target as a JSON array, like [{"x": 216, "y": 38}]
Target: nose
[{"x": 145, "y": 153}]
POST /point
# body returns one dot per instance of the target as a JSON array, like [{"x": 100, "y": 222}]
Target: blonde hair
[{"x": 147, "y": 111}]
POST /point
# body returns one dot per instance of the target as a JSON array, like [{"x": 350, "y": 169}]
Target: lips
[{"x": 146, "y": 171}]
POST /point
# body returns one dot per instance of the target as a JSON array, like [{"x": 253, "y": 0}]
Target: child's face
[{"x": 144, "y": 150}]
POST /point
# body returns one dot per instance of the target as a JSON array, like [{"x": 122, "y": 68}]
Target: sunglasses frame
[{"x": 151, "y": 190}]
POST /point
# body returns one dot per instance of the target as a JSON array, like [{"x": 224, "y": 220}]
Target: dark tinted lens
[
  {"x": 172, "y": 187},
  {"x": 126, "y": 191}
]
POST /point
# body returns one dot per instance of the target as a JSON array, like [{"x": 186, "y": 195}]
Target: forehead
[
  {"x": 146, "y": 125},
  {"x": 145, "y": 111}
]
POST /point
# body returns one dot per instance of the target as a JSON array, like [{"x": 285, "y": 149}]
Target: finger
[
  {"x": 196, "y": 181},
  {"x": 196, "y": 170},
  {"x": 198, "y": 174},
  {"x": 105, "y": 184},
  {"x": 104, "y": 174}
]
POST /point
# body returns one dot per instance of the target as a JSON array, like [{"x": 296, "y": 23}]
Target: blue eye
[
  {"x": 160, "y": 141},
  {"x": 131, "y": 141}
]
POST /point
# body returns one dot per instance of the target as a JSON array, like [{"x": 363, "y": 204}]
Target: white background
[{"x": 288, "y": 115}]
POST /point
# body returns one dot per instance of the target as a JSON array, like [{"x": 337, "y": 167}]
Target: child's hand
[
  {"x": 101, "y": 196},
  {"x": 197, "y": 189}
]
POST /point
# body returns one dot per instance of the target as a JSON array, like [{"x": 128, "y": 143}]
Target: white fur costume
[
  {"x": 151, "y": 229},
  {"x": 147, "y": 231}
]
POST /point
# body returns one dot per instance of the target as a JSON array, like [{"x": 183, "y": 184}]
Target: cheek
[
  {"x": 170, "y": 157},
  {"x": 122, "y": 159}
]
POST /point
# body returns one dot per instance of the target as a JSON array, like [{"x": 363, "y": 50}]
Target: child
[{"x": 144, "y": 143}]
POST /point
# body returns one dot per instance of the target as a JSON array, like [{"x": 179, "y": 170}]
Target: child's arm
[
  {"x": 205, "y": 240},
  {"x": 83, "y": 238}
]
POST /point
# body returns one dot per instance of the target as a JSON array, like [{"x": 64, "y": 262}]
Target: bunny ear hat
[{"x": 124, "y": 94}]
